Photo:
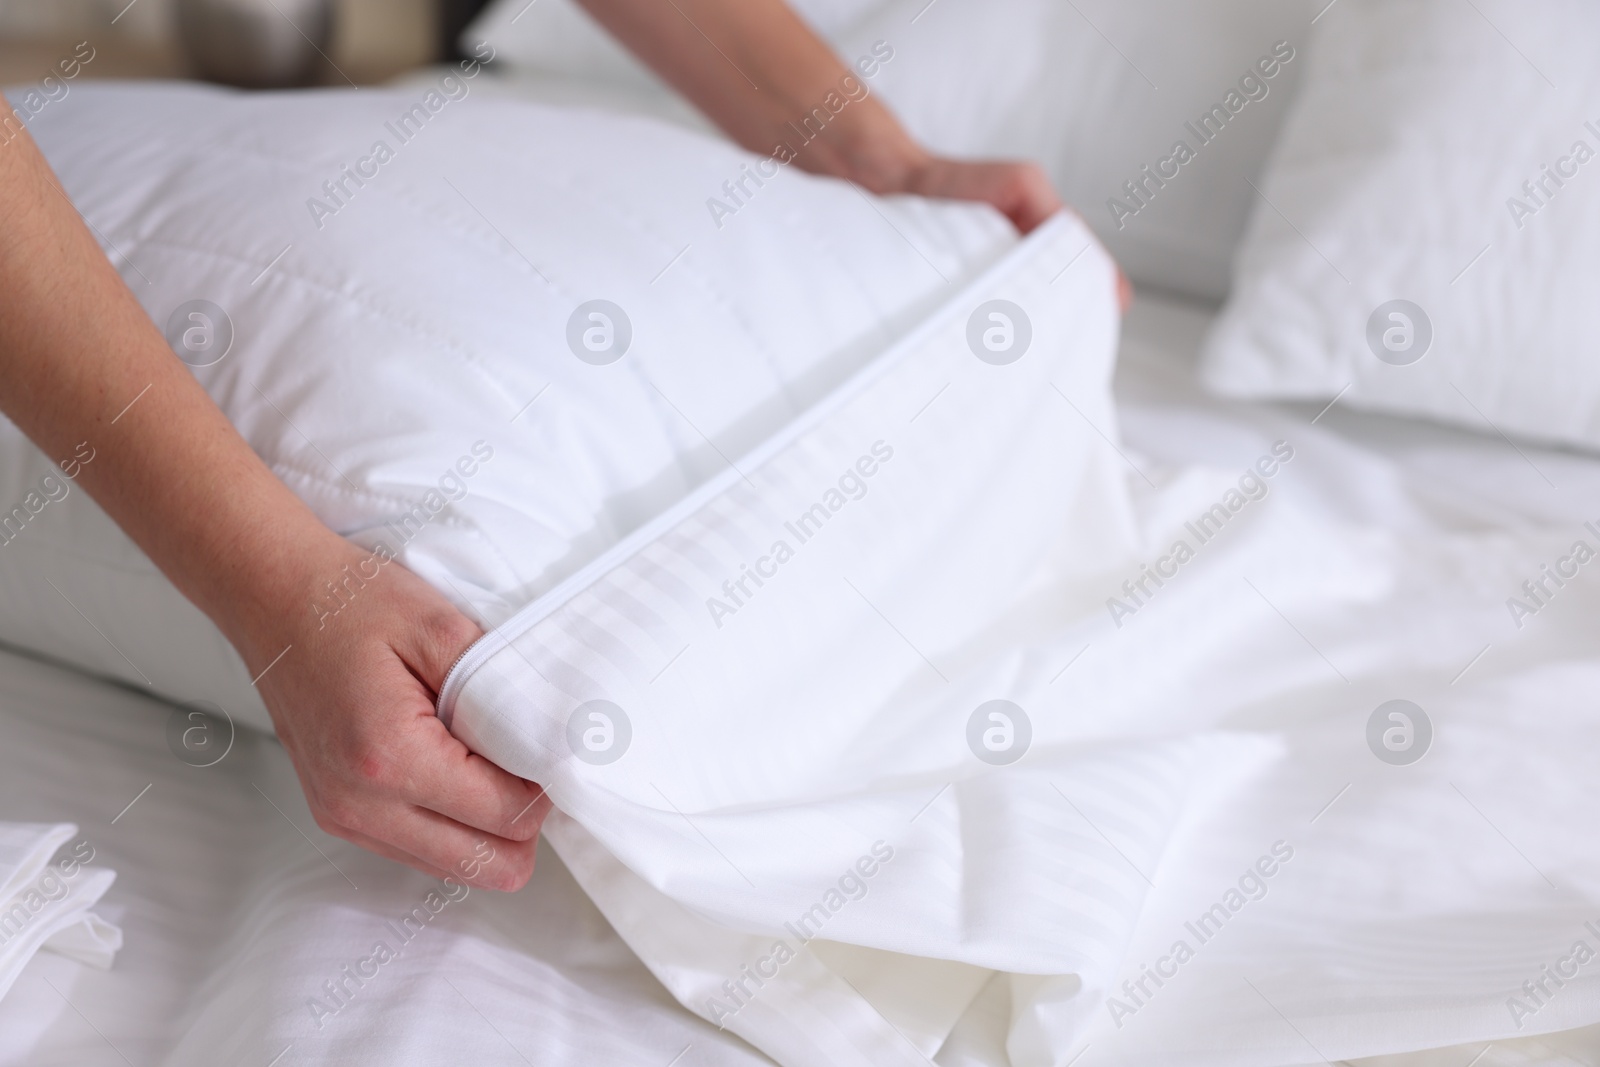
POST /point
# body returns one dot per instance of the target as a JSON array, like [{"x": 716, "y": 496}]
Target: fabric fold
[
  {"x": 45, "y": 903},
  {"x": 818, "y": 650}
]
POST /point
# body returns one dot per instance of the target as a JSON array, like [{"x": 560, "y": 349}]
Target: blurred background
[{"x": 244, "y": 41}]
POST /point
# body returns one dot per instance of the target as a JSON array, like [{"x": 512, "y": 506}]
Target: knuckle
[
  {"x": 521, "y": 830},
  {"x": 505, "y": 869},
  {"x": 524, "y": 826},
  {"x": 449, "y": 630},
  {"x": 370, "y": 768}
]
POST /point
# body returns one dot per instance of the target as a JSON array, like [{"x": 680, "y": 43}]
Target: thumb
[
  {"x": 434, "y": 635},
  {"x": 435, "y": 645}
]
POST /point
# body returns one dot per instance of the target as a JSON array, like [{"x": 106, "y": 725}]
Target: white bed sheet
[
  {"x": 236, "y": 908},
  {"x": 1433, "y": 482},
  {"x": 234, "y": 918},
  {"x": 1479, "y": 478}
]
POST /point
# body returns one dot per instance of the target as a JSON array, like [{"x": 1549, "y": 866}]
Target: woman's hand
[
  {"x": 352, "y": 698},
  {"x": 1020, "y": 191},
  {"x": 760, "y": 73},
  {"x": 352, "y": 694}
]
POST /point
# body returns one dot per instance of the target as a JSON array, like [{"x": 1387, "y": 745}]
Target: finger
[
  {"x": 1037, "y": 201},
  {"x": 389, "y": 852},
  {"x": 479, "y": 859},
  {"x": 428, "y": 842},
  {"x": 431, "y": 646},
  {"x": 388, "y": 830},
  {"x": 444, "y": 776},
  {"x": 1030, "y": 215}
]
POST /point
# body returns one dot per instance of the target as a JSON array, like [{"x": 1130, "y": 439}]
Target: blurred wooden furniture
[{"x": 375, "y": 40}]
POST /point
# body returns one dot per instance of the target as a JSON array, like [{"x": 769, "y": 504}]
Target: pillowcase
[
  {"x": 1094, "y": 91},
  {"x": 1425, "y": 241},
  {"x": 494, "y": 336}
]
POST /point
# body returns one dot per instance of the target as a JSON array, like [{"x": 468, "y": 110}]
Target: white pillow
[
  {"x": 1093, "y": 91},
  {"x": 423, "y": 334},
  {"x": 1404, "y": 174}
]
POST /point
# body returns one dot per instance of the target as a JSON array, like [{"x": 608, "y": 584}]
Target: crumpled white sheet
[
  {"x": 799, "y": 711},
  {"x": 237, "y": 908},
  {"x": 45, "y": 900},
  {"x": 233, "y": 918},
  {"x": 1219, "y": 729}
]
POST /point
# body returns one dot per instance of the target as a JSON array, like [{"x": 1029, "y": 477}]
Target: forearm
[
  {"x": 81, "y": 362},
  {"x": 757, "y": 71}
]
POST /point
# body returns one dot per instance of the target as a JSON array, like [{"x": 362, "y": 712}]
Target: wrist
[{"x": 263, "y": 595}]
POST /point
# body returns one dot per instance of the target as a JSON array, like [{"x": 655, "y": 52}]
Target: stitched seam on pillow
[
  {"x": 631, "y": 220},
  {"x": 447, "y": 518},
  {"x": 488, "y": 241},
  {"x": 618, "y": 210},
  {"x": 362, "y": 299},
  {"x": 284, "y": 468}
]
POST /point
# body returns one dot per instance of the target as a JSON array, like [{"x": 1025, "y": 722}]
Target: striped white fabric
[{"x": 786, "y": 665}]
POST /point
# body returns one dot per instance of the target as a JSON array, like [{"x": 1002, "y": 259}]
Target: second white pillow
[{"x": 1425, "y": 241}]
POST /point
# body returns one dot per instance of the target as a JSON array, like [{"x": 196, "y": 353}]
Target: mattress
[{"x": 239, "y": 913}]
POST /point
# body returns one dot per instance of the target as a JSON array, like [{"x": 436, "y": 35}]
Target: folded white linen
[{"x": 45, "y": 904}]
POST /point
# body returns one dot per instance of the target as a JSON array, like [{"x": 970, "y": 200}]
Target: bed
[
  {"x": 236, "y": 908},
  {"x": 1373, "y": 848}
]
